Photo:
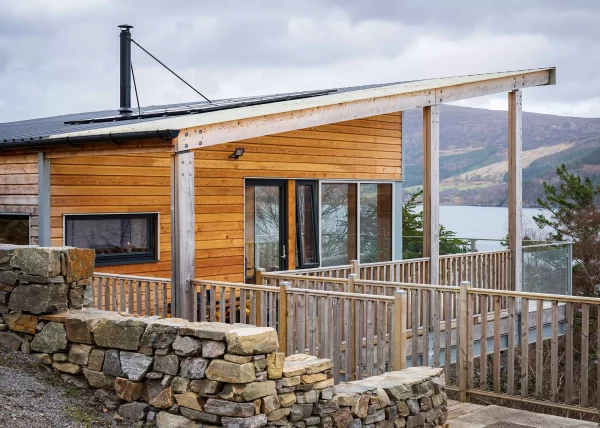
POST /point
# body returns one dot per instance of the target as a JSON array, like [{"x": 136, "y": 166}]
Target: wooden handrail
[{"x": 140, "y": 278}]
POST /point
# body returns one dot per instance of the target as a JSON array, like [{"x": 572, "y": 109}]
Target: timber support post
[
  {"x": 43, "y": 200},
  {"x": 431, "y": 195},
  {"x": 515, "y": 188},
  {"x": 399, "y": 330},
  {"x": 351, "y": 345},
  {"x": 355, "y": 267},
  {"x": 463, "y": 319},
  {"x": 283, "y": 315},
  {"x": 258, "y": 279},
  {"x": 182, "y": 234}
]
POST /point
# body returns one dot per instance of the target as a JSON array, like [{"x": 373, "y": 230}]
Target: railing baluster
[
  {"x": 510, "y": 354},
  {"x": 554, "y": 353},
  {"x": 147, "y": 297},
  {"x": 496, "y": 344},
  {"x": 483, "y": 354},
  {"x": 524, "y": 348},
  {"x": 585, "y": 341},
  {"x": 539, "y": 348}
]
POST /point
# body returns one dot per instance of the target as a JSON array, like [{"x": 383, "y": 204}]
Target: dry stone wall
[{"x": 173, "y": 373}]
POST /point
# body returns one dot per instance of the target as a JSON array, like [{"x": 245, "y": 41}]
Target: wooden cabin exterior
[{"x": 325, "y": 166}]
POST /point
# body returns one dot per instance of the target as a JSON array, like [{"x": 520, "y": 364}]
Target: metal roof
[{"x": 185, "y": 115}]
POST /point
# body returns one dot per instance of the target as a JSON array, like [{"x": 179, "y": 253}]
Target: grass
[
  {"x": 80, "y": 415},
  {"x": 71, "y": 392}
]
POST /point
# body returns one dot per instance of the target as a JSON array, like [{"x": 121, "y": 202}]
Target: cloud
[{"x": 62, "y": 56}]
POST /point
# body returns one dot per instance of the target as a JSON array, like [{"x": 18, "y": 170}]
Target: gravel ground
[{"x": 32, "y": 396}]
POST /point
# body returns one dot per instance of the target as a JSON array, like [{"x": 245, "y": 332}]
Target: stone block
[
  {"x": 51, "y": 339},
  {"x": 96, "y": 359},
  {"x": 21, "y": 322},
  {"x": 154, "y": 375},
  {"x": 60, "y": 356},
  {"x": 168, "y": 364},
  {"x": 252, "y": 341},
  {"x": 135, "y": 365},
  {"x": 286, "y": 382},
  {"x": 187, "y": 346},
  {"x": 167, "y": 420},
  {"x": 375, "y": 417},
  {"x": 99, "y": 379},
  {"x": 109, "y": 399},
  {"x": 9, "y": 278},
  {"x": 75, "y": 297},
  {"x": 307, "y": 397},
  {"x": 228, "y": 408},
  {"x": 190, "y": 400},
  {"x": 80, "y": 354},
  {"x": 260, "y": 364},
  {"x": 300, "y": 364},
  {"x": 119, "y": 332},
  {"x": 193, "y": 368},
  {"x": 275, "y": 365},
  {"x": 79, "y": 263},
  {"x": 313, "y": 378},
  {"x": 300, "y": 411},
  {"x": 342, "y": 418},
  {"x": 239, "y": 359},
  {"x": 66, "y": 367},
  {"x": 44, "y": 358},
  {"x": 251, "y": 422},
  {"x": 134, "y": 411},
  {"x": 228, "y": 372},
  {"x": 269, "y": 404},
  {"x": 160, "y": 334},
  {"x": 209, "y": 330},
  {"x": 326, "y": 407},
  {"x": 206, "y": 387},
  {"x": 112, "y": 363},
  {"x": 128, "y": 390},
  {"x": 278, "y": 414},
  {"x": 248, "y": 391},
  {"x": 37, "y": 261},
  {"x": 79, "y": 328},
  {"x": 212, "y": 349},
  {"x": 327, "y": 394},
  {"x": 195, "y": 415},
  {"x": 360, "y": 406},
  {"x": 415, "y": 421},
  {"x": 158, "y": 393},
  {"x": 287, "y": 399},
  {"x": 39, "y": 298},
  {"x": 322, "y": 384}
]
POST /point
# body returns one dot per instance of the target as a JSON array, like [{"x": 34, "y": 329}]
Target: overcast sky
[{"x": 61, "y": 56}]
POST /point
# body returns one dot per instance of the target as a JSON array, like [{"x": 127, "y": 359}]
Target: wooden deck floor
[{"x": 466, "y": 415}]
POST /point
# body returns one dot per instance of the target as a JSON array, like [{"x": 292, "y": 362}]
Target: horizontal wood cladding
[
  {"x": 19, "y": 188},
  {"x": 359, "y": 149},
  {"x": 118, "y": 183}
]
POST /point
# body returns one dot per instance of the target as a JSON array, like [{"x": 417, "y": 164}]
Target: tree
[
  {"x": 412, "y": 231},
  {"x": 575, "y": 216}
]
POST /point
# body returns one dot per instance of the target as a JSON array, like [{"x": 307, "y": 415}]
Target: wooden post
[
  {"x": 259, "y": 281},
  {"x": 351, "y": 345},
  {"x": 182, "y": 234},
  {"x": 283, "y": 309},
  {"x": 355, "y": 268},
  {"x": 399, "y": 320},
  {"x": 462, "y": 341},
  {"x": 431, "y": 195},
  {"x": 43, "y": 200},
  {"x": 515, "y": 188}
]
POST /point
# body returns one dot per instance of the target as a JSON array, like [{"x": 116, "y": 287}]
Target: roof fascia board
[
  {"x": 224, "y": 132},
  {"x": 408, "y": 88}
]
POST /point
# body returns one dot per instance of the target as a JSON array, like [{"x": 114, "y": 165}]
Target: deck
[{"x": 467, "y": 415}]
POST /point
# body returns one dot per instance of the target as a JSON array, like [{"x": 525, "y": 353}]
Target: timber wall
[
  {"x": 368, "y": 149},
  {"x": 19, "y": 188},
  {"x": 114, "y": 184}
]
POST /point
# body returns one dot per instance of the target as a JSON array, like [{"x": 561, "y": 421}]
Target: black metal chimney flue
[{"x": 125, "y": 69}]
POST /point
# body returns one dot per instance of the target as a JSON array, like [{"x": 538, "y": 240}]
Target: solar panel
[{"x": 203, "y": 107}]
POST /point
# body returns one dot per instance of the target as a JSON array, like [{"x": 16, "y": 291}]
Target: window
[
  {"x": 375, "y": 222},
  {"x": 338, "y": 223},
  {"x": 14, "y": 229},
  {"x": 117, "y": 238},
  {"x": 306, "y": 218}
]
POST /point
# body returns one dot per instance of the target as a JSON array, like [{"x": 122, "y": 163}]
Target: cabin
[{"x": 218, "y": 189}]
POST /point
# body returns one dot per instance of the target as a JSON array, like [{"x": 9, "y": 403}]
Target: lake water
[{"x": 483, "y": 222}]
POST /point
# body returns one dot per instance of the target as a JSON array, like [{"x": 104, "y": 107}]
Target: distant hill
[{"x": 473, "y": 153}]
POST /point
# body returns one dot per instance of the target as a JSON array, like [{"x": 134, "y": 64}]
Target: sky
[{"x": 61, "y": 56}]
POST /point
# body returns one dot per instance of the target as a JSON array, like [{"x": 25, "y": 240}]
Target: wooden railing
[
  {"x": 132, "y": 294},
  {"x": 485, "y": 269},
  {"x": 544, "y": 354},
  {"x": 341, "y": 271},
  {"x": 414, "y": 271}
]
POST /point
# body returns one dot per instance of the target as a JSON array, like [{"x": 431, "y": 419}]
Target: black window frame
[
  {"x": 315, "y": 219},
  {"x": 150, "y": 256},
  {"x": 18, "y": 215}
]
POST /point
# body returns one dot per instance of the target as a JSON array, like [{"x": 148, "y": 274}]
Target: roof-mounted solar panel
[{"x": 202, "y": 107}]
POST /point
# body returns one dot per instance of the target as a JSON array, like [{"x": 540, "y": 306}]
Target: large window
[
  {"x": 350, "y": 208},
  {"x": 116, "y": 238},
  {"x": 306, "y": 214},
  {"x": 375, "y": 222},
  {"x": 14, "y": 229},
  {"x": 338, "y": 223}
]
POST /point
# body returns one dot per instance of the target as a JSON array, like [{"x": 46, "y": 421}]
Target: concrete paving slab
[{"x": 491, "y": 416}]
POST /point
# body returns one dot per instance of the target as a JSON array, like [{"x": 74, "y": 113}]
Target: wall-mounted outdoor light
[{"x": 237, "y": 153}]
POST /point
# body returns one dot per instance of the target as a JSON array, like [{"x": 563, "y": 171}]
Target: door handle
[{"x": 284, "y": 253}]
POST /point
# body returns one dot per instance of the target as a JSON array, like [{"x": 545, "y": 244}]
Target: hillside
[{"x": 473, "y": 153}]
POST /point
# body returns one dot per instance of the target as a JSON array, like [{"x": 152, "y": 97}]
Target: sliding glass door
[{"x": 265, "y": 221}]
